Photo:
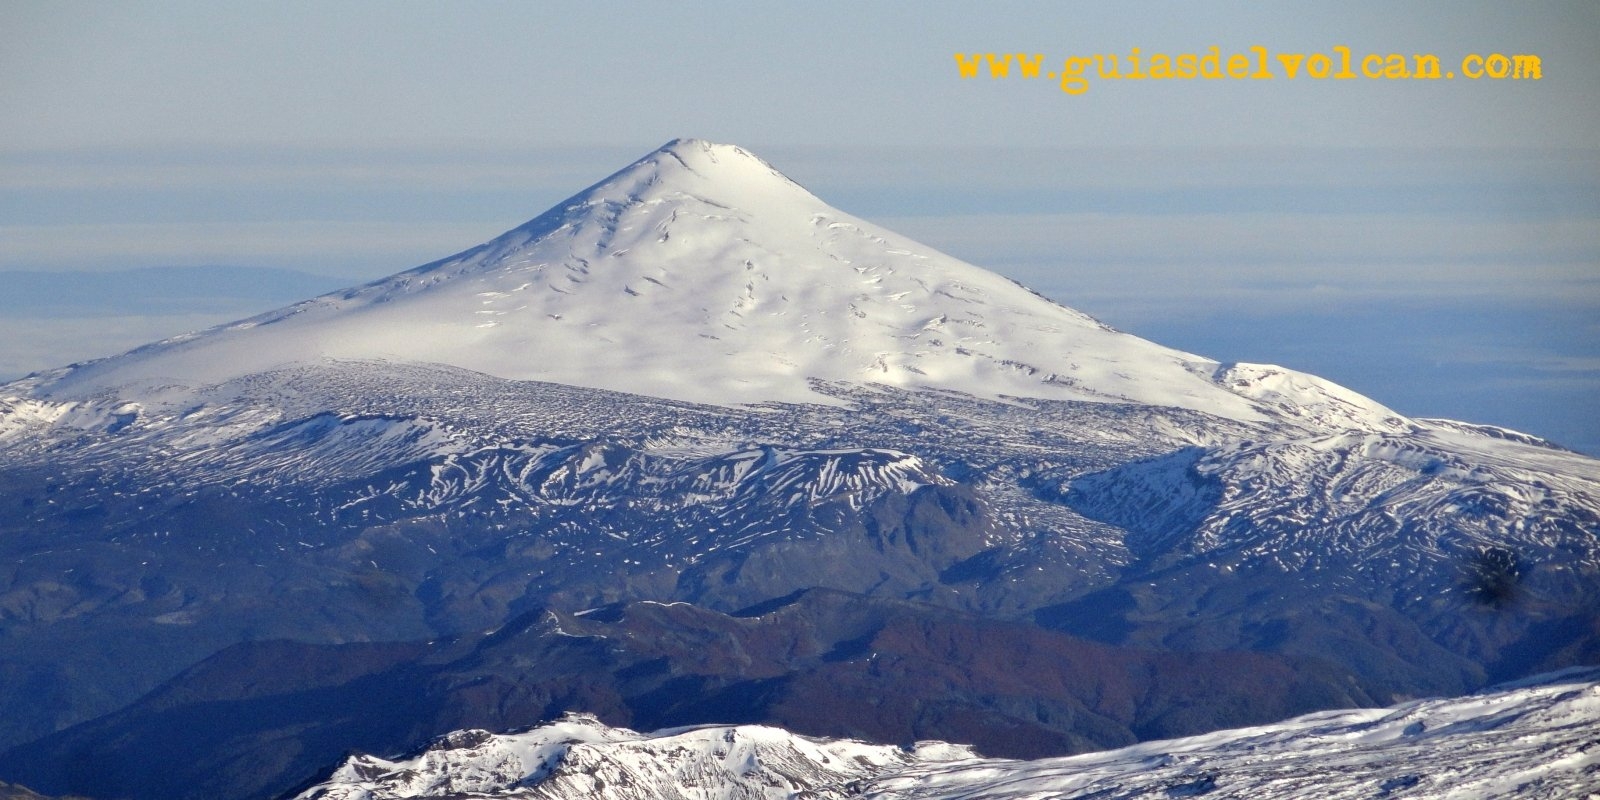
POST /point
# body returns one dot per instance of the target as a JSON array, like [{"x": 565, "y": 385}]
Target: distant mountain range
[{"x": 869, "y": 473}]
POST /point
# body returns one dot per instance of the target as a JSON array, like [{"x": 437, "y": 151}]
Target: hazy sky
[
  {"x": 462, "y": 74},
  {"x": 1433, "y": 243}
]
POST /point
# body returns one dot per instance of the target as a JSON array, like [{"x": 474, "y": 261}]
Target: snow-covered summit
[{"x": 701, "y": 273}]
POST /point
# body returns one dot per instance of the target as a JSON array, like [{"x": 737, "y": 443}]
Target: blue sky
[{"x": 1435, "y": 244}]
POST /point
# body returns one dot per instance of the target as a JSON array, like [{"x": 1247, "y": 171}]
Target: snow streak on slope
[
  {"x": 700, "y": 273},
  {"x": 1535, "y": 739}
]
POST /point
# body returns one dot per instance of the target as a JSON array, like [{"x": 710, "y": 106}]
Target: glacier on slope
[{"x": 1532, "y": 739}]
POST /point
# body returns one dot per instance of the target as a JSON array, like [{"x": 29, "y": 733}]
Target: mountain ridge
[{"x": 819, "y": 663}]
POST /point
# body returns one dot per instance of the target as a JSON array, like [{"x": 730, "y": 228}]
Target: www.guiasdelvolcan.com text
[{"x": 1074, "y": 73}]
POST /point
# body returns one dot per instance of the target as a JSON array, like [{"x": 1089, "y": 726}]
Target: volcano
[
  {"x": 693, "y": 441},
  {"x": 700, "y": 273}
]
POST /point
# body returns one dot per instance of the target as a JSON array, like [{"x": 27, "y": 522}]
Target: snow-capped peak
[
  {"x": 701, "y": 273},
  {"x": 696, "y": 166}
]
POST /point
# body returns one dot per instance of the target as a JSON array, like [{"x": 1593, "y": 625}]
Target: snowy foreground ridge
[{"x": 1538, "y": 738}]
